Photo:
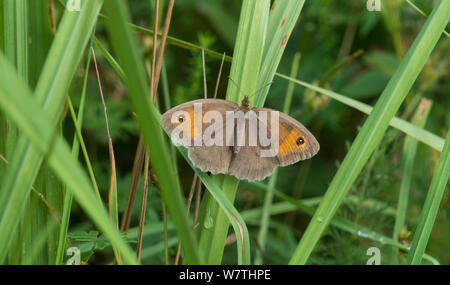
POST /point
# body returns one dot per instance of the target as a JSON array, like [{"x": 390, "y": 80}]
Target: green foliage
[{"x": 386, "y": 188}]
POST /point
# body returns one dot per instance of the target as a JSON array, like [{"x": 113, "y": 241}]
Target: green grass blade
[
  {"x": 12, "y": 38},
  {"x": 2, "y": 28},
  {"x": 422, "y": 13},
  {"x": 431, "y": 206},
  {"x": 265, "y": 217},
  {"x": 248, "y": 53},
  {"x": 420, "y": 134},
  {"x": 36, "y": 213},
  {"x": 125, "y": 46},
  {"x": 108, "y": 57},
  {"x": 80, "y": 141},
  {"x": 408, "y": 155},
  {"x": 68, "y": 197},
  {"x": 50, "y": 92},
  {"x": 22, "y": 108},
  {"x": 220, "y": 19},
  {"x": 15, "y": 36},
  {"x": 15, "y": 17},
  {"x": 41, "y": 236},
  {"x": 40, "y": 38},
  {"x": 283, "y": 17},
  {"x": 248, "y": 50},
  {"x": 256, "y": 30},
  {"x": 157, "y": 248},
  {"x": 306, "y": 206},
  {"x": 373, "y": 129},
  {"x": 167, "y": 106},
  {"x": 391, "y": 17},
  {"x": 226, "y": 206}
]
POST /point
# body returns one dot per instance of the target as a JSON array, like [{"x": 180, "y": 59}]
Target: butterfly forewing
[{"x": 295, "y": 141}]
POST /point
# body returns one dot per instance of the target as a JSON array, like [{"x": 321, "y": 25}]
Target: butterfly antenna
[
  {"x": 251, "y": 95},
  {"x": 237, "y": 86},
  {"x": 257, "y": 91}
]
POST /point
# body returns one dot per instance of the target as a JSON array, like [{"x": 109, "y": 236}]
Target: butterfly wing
[
  {"x": 214, "y": 158},
  {"x": 247, "y": 161},
  {"x": 248, "y": 164},
  {"x": 191, "y": 111},
  {"x": 295, "y": 141},
  {"x": 244, "y": 162}
]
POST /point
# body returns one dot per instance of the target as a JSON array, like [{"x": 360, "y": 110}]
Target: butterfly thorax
[{"x": 245, "y": 104}]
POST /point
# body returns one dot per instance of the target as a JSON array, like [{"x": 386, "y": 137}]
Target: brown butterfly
[{"x": 236, "y": 151}]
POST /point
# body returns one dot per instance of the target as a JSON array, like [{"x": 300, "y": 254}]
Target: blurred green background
[{"x": 327, "y": 33}]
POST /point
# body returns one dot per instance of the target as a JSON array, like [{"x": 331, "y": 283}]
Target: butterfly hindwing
[{"x": 247, "y": 161}]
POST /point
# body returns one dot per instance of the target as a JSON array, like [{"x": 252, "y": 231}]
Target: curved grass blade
[
  {"x": 431, "y": 206},
  {"x": 374, "y": 128}
]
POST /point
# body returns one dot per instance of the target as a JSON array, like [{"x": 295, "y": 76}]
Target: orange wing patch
[
  {"x": 192, "y": 128},
  {"x": 291, "y": 141}
]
